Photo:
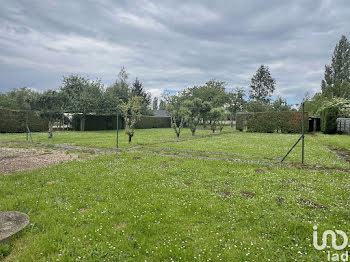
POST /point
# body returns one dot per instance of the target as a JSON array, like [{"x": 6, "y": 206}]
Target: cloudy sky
[{"x": 170, "y": 45}]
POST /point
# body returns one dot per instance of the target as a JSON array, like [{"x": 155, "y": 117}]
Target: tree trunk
[
  {"x": 82, "y": 123},
  {"x": 50, "y": 128},
  {"x": 193, "y": 131},
  {"x": 204, "y": 123},
  {"x": 130, "y": 137},
  {"x": 177, "y": 134},
  {"x": 231, "y": 123}
]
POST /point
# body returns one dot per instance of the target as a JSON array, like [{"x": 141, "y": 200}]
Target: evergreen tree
[
  {"x": 262, "y": 84},
  {"x": 338, "y": 72}
]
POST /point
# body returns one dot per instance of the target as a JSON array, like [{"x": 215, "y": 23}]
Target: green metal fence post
[
  {"x": 117, "y": 129},
  {"x": 303, "y": 134}
]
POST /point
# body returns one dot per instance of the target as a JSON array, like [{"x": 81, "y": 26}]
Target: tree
[
  {"x": 236, "y": 103},
  {"x": 212, "y": 91},
  {"x": 204, "y": 113},
  {"x": 84, "y": 96},
  {"x": 162, "y": 104},
  {"x": 280, "y": 104},
  {"x": 50, "y": 105},
  {"x": 194, "y": 108},
  {"x": 19, "y": 98},
  {"x": 262, "y": 84},
  {"x": 338, "y": 72},
  {"x": 138, "y": 90},
  {"x": 216, "y": 116},
  {"x": 132, "y": 113},
  {"x": 155, "y": 103},
  {"x": 177, "y": 113}
]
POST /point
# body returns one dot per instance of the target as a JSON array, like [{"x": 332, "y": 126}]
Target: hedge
[
  {"x": 329, "y": 117},
  {"x": 12, "y": 121},
  {"x": 97, "y": 122},
  {"x": 109, "y": 122},
  {"x": 269, "y": 122},
  {"x": 153, "y": 122},
  {"x": 241, "y": 120}
]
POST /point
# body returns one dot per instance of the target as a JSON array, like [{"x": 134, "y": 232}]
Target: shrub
[
  {"x": 15, "y": 121},
  {"x": 329, "y": 117},
  {"x": 241, "y": 120},
  {"x": 269, "y": 122}
]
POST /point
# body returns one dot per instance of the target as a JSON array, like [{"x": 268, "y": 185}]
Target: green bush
[
  {"x": 329, "y": 117},
  {"x": 13, "y": 121},
  {"x": 241, "y": 120},
  {"x": 269, "y": 122}
]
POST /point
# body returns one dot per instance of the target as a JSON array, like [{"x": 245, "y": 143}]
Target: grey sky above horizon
[{"x": 170, "y": 45}]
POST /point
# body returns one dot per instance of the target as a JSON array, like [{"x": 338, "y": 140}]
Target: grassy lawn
[
  {"x": 143, "y": 206},
  {"x": 106, "y": 139}
]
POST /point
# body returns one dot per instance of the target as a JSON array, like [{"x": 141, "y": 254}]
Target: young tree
[
  {"x": 132, "y": 113},
  {"x": 236, "y": 103},
  {"x": 50, "y": 105},
  {"x": 204, "y": 113},
  {"x": 155, "y": 103},
  {"x": 262, "y": 84},
  {"x": 177, "y": 113},
  {"x": 194, "y": 108},
  {"x": 216, "y": 116}
]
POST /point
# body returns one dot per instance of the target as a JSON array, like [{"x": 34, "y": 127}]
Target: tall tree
[
  {"x": 138, "y": 90},
  {"x": 155, "y": 103},
  {"x": 262, "y": 84},
  {"x": 338, "y": 71}
]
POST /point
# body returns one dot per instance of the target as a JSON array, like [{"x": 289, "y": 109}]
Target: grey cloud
[{"x": 170, "y": 44}]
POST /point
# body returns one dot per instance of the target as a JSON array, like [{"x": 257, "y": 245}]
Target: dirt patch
[
  {"x": 119, "y": 226},
  {"x": 136, "y": 158},
  {"x": 342, "y": 153},
  {"x": 247, "y": 194},
  {"x": 259, "y": 171},
  {"x": 164, "y": 166},
  {"x": 312, "y": 204},
  {"x": 19, "y": 159},
  {"x": 226, "y": 193},
  {"x": 83, "y": 210},
  {"x": 187, "y": 183},
  {"x": 280, "y": 199},
  {"x": 290, "y": 181}
]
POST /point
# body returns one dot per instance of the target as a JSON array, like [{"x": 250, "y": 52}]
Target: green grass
[
  {"x": 106, "y": 139},
  {"x": 273, "y": 145},
  {"x": 143, "y": 206}
]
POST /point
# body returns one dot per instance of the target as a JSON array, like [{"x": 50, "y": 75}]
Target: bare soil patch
[
  {"x": 247, "y": 194},
  {"x": 312, "y": 204},
  {"x": 19, "y": 159}
]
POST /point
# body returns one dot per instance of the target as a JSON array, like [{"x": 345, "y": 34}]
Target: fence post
[{"x": 303, "y": 134}]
